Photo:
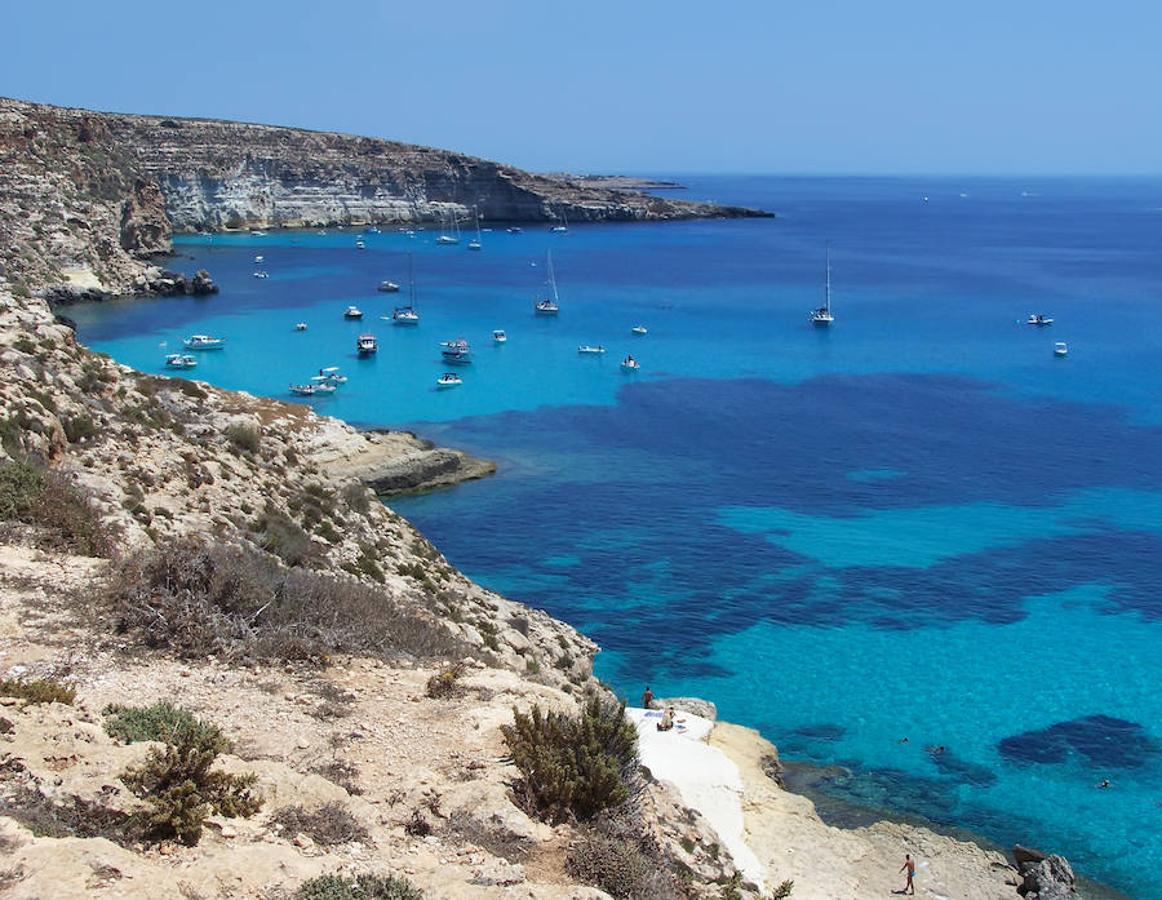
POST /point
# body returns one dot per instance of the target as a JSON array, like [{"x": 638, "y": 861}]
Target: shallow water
[{"x": 918, "y": 523}]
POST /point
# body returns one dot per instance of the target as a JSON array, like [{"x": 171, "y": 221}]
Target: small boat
[
  {"x": 330, "y": 375},
  {"x": 1038, "y": 319},
  {"x": 300, "y": 326},
  {"x": 366, "y": 344},
  {"x": 588, "y": 348},
  {"x": 448, "y": 380},
  {"x": 258, "y": 273},
  {"x": 629, "y": 364},
  {"x": 475, "y": 243},
  {"x": 324, "y": 388},
  {"x": 549, "y": 306},
  {"x": 410, "y": 314},
  {"x": 822, "y": 316},
  {"x": 639, "y": 329},
  {"x": 515, "y": 229},
  {"x": 563, "y": 227},
  {"x": 259, "y": 259},
  {"x": 360, "y": 245},
  {"x": 388, "y": 287},
  {"x": 204, "y": 342},
  {"x": 1060, "y": 349},
  {"x": 456, "y": 351},
  {"x": 180, "y": 361},
  {"x": 258, "y": 234},
  {"x": 304, "y": 390},
  {"x": 451, "y": 233},
  {"x": 353, "y": 312},
  {"x": 373, "y": 230},
  {"x": 499, "y": 337}
]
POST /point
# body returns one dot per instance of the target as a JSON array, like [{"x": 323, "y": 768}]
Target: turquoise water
[{"x": 916, "y": 524}]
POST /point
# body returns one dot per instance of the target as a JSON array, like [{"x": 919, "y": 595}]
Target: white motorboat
[
  {"x": 259, "y": 259},
  {"x": 330, "y": 375},
  {"x": 515, "y": 229},
  {"x": 822, "y": 316},
  {"x": 1038, "y": 319},
  {"x": 589, "y": 348},
  {"x": 456, "y": 351},
  {"x": 258, "y": 234},
  {"x": 304, "y": 390},
  {"x": 353, "y": 312},
  {"x": 360, "y": 244},
  {"x": 499, "y": 336},
  {"x": 549, "y": 306},
  {"x": 300, "y": 326},
  {"x": 373, "y": 230},
  {"x": 366, "y": 344},
  {"x": 640, "y": 329},
  {"x": 324, "y": 388},
  {"x": 629, "y": 364},
  {"x": 388, "y": 287},
  {"x": 203, "y": 342},
  {"x": 448, "y": 380},
  {"x": 259, "y": 273},
  {"x": 180, "y": 361},
  {"x": 1060, "y": 349}
]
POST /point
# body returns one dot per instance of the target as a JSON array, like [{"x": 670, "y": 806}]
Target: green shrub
[
  {"x": 41, "y": 691},
  {"x": 243, "y": 438},
  {"x": 357, "y": 496},
  {"x": 573, "y": 766},
  {"x": 182, "y": 790},
  {"x": 328, "y": 826},
  {"x": 78, "y": 428},
  {"x": 21, "y": 485},
  {"x": 361, "y": 887},
  {"x": 163, "y": 722}
]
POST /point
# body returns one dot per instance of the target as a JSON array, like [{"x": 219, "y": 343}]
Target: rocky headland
[
  {"x": 89, "y": 199},
  {"x": 359, "y": 700}
]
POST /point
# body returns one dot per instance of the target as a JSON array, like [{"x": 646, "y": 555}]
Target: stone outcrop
[
  {"x": 1044, "y": 877},
  {"x": 87, "y": 199}
]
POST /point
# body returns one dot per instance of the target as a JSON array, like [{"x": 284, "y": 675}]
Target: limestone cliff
[{"x": 87, "y": 198}]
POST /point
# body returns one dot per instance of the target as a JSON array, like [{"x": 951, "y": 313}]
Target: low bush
[
  {"x": 573, "y": 766},
  {"x": 198, "y": 599},
  {"x": 243, "y": 438},
  {"x": 39, "y": 691},
  {"x": 618, "y": 867},
  {"x": 182, "y": 789},
  {"x": 163, "y": 722},
  {"x": 284, "y": 537},
  {"x": 75, "y": 817},
  {"x": 329, "y": 825},
  {"x": 446, "y": 682},
  {"x": 341, "y": 773},
  {"x": 34, "y": 496},
  {"x": 361, "y": 887}
]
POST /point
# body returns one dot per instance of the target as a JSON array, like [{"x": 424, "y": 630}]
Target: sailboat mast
[
  {"x": 411, "y": 281},
  {"x": 553, "y": 278},
  {"x": 827, "y": 289}
]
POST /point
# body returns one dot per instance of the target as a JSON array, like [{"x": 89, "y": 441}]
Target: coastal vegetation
[
  {"x": 360, "y": 887},
  {"x": 61, "y": 514},
  {"x": 162, "y": 721},
  {"x": 38, "y": 690}
]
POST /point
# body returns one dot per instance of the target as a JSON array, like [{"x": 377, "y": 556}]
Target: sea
[{"x": 917, "y": 548}]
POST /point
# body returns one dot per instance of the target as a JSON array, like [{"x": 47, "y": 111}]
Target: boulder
[
  {"x": 202, "y": 284},
  {"x": 1026, "y": 855},
  {"x": 1050, "y": 879},
  {"x": 695, "y": 706}
]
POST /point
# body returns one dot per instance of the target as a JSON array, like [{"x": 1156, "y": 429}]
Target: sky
[{"x": 805, "y": 87}]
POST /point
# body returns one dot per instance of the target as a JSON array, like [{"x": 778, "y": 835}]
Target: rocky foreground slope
[{"x": 90, "y": 195}]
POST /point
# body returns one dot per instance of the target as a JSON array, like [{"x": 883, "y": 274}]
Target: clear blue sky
[{"x": 819, "y": 86}]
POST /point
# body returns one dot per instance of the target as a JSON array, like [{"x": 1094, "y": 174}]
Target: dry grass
[
  {"x": 329, "y": 825},
  {"x": 197, "y": 599}
]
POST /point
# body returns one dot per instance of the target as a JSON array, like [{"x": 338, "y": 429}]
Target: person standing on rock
[
  {"x": 647, "y": 698},
  {"x": 909, "y": 866}
]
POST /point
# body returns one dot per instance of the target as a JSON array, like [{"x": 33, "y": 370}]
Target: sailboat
[
  {"x": 549, "y": 306},
  {"x": 475, "y": 244},
  {"x": 822, "y": 316},
  {"x": 451, "y": 233},
  {"x": 408, "y": 315},
  {"x": 564, "y": 226}
]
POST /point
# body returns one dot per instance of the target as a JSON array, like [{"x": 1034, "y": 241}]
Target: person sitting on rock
[{"x": 667, "y": 719}]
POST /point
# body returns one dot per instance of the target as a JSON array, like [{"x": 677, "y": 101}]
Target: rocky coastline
[{"x": 410, "y": 744}]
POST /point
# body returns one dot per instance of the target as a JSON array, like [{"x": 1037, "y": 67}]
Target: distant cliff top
[{"x": 93, "y": 192}]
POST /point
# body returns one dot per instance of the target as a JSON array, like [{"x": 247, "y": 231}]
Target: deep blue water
[{"x": 917, "y": 524}]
